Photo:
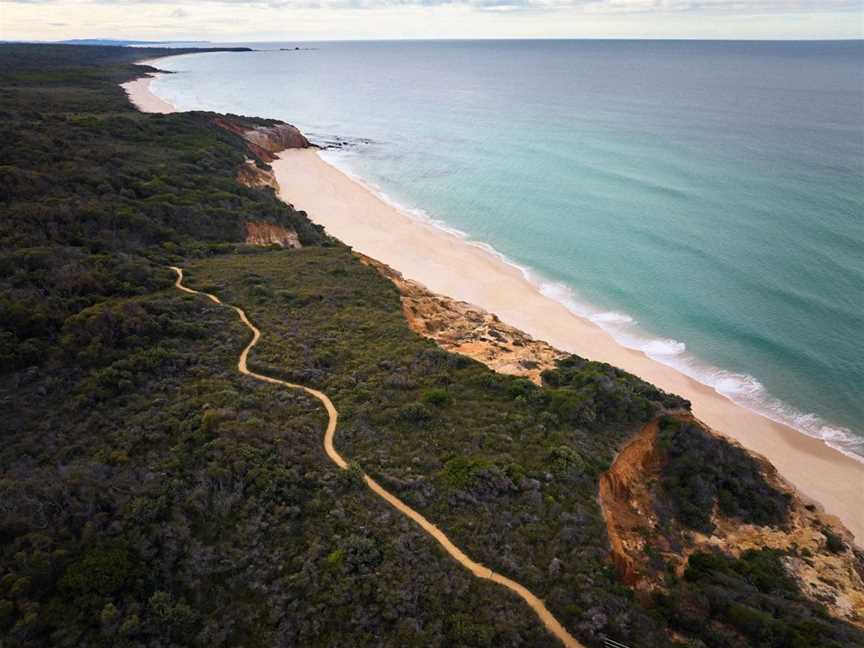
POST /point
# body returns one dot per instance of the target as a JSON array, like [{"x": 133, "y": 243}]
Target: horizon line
[{"x": 126, "y": 42}]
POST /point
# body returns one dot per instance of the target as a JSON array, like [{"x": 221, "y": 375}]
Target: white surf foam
[
  {"x": 742, "y": 389},
  {"x": 611, "y": 317}
]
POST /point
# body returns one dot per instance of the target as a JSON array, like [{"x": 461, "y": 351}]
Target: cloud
[
  {"x": 279, "y": 20},
  {"x": 746, "y": 7}
]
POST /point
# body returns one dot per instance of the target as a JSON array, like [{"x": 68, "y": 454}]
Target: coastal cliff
[
  {"x": 667, "y": 516},
  {"x": 651, "y": 530},
  {"x": 270, "y": 234},
  {"x": 461, "y": 327},
  {"x": 264, "y": 141},
  {"x": 252, "y": 176},
  {"x": 277, "y": 138}
]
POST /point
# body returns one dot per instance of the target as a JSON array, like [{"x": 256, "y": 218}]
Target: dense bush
[
  {"x": 703, "y": 470},
  {"x": 593, "y": 394},
  {"x": 437, "y": 397},
  {"x": 152, "y": 496},
  {"x": 728, "y": 602},
  {"x": 464, "y": 472},
  {"x": 481, "y": 455},
  {"x": 149, "y": 495},
  {"x": 95, "y": 198}
]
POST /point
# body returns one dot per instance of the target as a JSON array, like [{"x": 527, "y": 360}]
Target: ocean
[{"x": 701, "y": 200}]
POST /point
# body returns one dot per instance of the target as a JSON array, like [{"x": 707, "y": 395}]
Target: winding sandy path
[{"x": 479, "y": 570}]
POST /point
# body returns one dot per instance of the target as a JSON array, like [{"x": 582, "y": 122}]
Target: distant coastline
[{"x": 353, "y": 213}]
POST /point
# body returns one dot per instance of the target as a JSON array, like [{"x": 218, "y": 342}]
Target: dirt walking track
[{"x": 480, "y": 571}]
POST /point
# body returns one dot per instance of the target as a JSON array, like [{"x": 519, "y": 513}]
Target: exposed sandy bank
[
  {"x": 464, "y": 328},
  {"x": 448, "y": 265}
]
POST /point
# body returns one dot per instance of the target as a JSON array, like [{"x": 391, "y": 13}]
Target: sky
[{"x": 298, "y": 20}]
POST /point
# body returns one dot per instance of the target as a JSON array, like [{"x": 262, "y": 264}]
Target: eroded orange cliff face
[
  {"x": 626, "y": 502},
  {"x": 270, "y": 234},
  {"x": 251, "y": 175},
  {"x": 642, "y": 547},
  {"x": 265, "y": 141}
]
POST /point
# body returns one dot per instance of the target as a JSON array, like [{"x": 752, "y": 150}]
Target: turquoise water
[{"x": 703, "y": 201}]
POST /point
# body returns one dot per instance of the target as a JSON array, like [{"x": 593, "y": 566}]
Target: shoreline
[
  {"x": 469, "y": 272},
  {"x": 638, "y": 341},
  {"x": 143, "y": 99},
  {"x": 140, "y": 95}
]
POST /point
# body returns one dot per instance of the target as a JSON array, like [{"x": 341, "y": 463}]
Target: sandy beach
[
  {"x": 452, "y": 266},
  {"x": 140, "y": 95}
]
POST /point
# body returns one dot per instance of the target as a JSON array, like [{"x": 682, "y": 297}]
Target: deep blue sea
[{"x": 703, "y": 201}]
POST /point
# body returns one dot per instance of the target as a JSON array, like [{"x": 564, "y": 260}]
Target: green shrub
[
  {"x": 465, "y": 631},
  {"x": 520, "y": 387},
  {"x": 102, "y": 571},
  {"x": 414, "y": 413},
  {"x": 565, "y": 460},
  {"x": 362, "y": 553},
  {"x": 463, "y": 472},
  {"x": 701, "y": 469},
  {"x": 7, "y": 611},
  {"x": 436, "y": 397},
  {"x": 336, "y": 558}
]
